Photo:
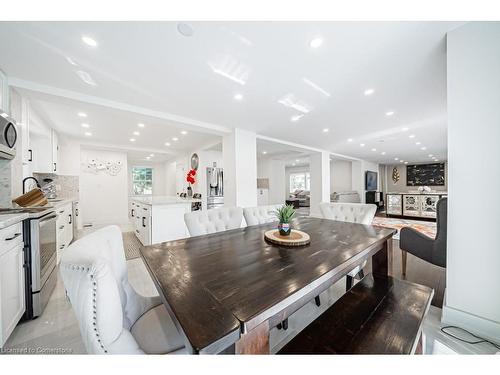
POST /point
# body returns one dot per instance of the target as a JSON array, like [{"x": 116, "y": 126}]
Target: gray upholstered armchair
[{"x": 423, "y": 247}]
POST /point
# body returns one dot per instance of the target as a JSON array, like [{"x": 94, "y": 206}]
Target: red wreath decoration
[{"x": 190, "y": 176}]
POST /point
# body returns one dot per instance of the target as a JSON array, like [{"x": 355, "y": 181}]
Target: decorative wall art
[
  {"x": 96, "y": 166},
  {"x": 395, "y": 175},
  {"x": 425, "y": 175}
]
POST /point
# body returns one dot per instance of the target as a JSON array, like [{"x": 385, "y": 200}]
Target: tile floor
[{"x": 57, "y": 331}]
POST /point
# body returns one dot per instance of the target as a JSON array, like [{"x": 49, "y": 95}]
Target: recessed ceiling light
[
  {"x": 417, "y": 143},
  {"x": 436, "y": 159},
  {"x": 406, "y": 162},
  {"x": 362, "y": 144},
  {"x": 389, "y": 113},
  {"x": 326, "y": 130},
  {"x": 88, "y": 134},
  {"x": 185, "y": 29},
  {"x": 293, "y": 164},
  {"x": 184, "y": 132},
  {"x": 405, "y": 129},
  {"x": 349, "y": 139},
  {"x": 368, "y": 92},
  {"x": 396, "y": 158},
  {"x": 316, "y": 42},
  {"x": 152, "y": 155},
  {"x": 141, "y": 125},
  {"x": 136, "y": 133},
  {"x": 89, "y": 41},
  {"x": 374, "y": 149},
  {"x": 175, "y": 139},
  {"x": 85, "y": 125},
  {"x": 132, "y": 139},
  {"x": 423, "y": 148},
  {"x": 264, "y": 152},
  {"x": 401, "y": 161},
  {"x": 411, "y": 136},
  {"x": 81, "y": 114},
  {"x": 382, "y": 153},
  {"x": 167, "y": 143},
  {"x": 430, "y": 155},
  {"x": 238, "y": 97},
  {"x": 147, "y": 157},
  {"x": 297, "y": 160}
]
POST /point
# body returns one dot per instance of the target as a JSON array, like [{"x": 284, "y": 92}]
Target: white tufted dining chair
[
  {"x": 260, "y": 214},
  {"x": 113, "y": 317},
  {"x": 359, "y": 213},
  {"x": 212, "y": 221}
]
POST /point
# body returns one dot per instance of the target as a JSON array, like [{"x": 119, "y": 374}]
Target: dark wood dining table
[{"x": 226, "y": 290}]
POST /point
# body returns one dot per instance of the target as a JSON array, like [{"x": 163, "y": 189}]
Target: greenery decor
[{"x": 285, "y": 214}]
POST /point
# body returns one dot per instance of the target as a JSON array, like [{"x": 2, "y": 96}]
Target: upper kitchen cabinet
[
  {"x": 4, "y": 92},
  {"x": 43, "y": 146}
]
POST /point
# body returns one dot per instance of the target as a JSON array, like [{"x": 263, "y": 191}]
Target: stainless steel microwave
[{"x": 8, "y": 136}]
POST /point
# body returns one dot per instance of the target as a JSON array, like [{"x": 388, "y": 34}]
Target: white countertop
[
  {"x": 164, "y": 200},
  {"x": 6, "y": 220},
  {"x": 58, "y": 202},
  {"x": 418, "y": 193}
]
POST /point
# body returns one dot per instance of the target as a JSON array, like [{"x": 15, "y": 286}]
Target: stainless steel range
[{"x": 215, "y": 187}]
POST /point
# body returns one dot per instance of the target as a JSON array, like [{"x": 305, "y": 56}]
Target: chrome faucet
[{"x": 30, "y": 178}]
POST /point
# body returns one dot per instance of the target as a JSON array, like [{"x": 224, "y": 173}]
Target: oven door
[{"x": 43, "y": 250}]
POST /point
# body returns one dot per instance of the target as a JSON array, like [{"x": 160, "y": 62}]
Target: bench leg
[
  {"x": 348, "y": 282},
  {"x": 285, "y": 324},
  {"x": 279, "y": 326},
  {"x": 361, "y": 274},
  {"x": 317, "y": 300}
]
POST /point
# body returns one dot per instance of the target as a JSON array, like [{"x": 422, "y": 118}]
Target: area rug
[
  {"x": 131, "y": 245},
  {"x": 427, "y": 228}
]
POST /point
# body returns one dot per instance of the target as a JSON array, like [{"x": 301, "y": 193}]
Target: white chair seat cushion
[{"x": 156, "y": 333}]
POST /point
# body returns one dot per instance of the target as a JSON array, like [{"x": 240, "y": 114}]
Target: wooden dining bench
[{"x": 379, "y": 315}]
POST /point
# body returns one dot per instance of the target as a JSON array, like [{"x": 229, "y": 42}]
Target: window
[
  {"x": 142, "y": 180},
  {"x": 300, "y": 181}
]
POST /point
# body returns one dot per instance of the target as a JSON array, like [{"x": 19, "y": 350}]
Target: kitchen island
[{"x": 159, "y": 218}]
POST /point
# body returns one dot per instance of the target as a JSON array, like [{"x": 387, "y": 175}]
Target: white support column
[
  {"x": 320, "y": 180},
  {"x": 239, "y": 151}
]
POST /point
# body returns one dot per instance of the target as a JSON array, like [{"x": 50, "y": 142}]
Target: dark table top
[{"x": 215, "y": 284}]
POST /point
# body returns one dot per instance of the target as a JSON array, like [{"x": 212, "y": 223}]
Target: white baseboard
[{"x": 481, "y": 327}]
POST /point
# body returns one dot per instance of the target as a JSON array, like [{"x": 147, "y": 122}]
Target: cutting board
[{"x": 32, "y": 198}]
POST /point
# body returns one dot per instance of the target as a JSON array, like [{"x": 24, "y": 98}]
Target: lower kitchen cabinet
[
  {"x": 64, "y": 228},
  {"x": 12, "y": 294}
]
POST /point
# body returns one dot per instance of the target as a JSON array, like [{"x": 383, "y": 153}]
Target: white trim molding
[{"x": 481, "y": 327}]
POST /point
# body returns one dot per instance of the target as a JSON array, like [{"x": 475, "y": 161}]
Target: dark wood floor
[{"x": 420, "y": 272}]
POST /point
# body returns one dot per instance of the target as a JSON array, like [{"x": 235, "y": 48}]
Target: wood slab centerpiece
[{"x": 285, "y": 235}]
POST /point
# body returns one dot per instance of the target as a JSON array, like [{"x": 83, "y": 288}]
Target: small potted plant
[{"x": 284, "y": 215}]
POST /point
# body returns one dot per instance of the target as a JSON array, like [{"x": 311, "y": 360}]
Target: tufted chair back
[
  {"x": 351, "y": 212},
  {"x": 212, "y": 221},
  {"x": 260, "y": 214},
  {"x": 94, "y": 273}
]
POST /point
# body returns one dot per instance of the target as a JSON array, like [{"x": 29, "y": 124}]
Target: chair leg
[
  {"x": 279, "y": 326},
  {"x": 317, "y": 300},
  {"x": 361, "y": 274},
  {"x": 404, "y": 255},
  {"x": 285, "y": 324},
  {"x": 348, "y": 282}
]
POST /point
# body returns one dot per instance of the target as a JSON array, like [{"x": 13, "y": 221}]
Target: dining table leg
[
  {"x": 255, "y": 341},
  {"x": 380, "y": 260}
]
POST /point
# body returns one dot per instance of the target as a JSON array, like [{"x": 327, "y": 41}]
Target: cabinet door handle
[
  {"x": 143, "y": 224},
  {"x": 55, "y": 167},
  {"x": 76, "y": 212},
  {"x": 70, "y": 218},
  {"x": 61, "y": 247},
  {"x": 31, "y": 155},
  {"x": 61, "y": 227},
  {"x": 13, "y": 237},
  {"x": 133, "y": 212}
]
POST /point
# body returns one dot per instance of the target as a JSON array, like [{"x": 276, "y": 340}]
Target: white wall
[
  {"x": 170, "y": 183},
  {"x": 274, "y": 171},
  {"x": 473, "y": 261},
  {"x": 104, "y": 198},
  {"x": 320, "y": 181},
  {"x": 340, "y": 175},
  {"x": 69, "y": 156}
]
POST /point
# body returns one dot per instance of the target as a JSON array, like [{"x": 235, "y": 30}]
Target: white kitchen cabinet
[
  {"x": 12, "y": 294},
  {"x": 55, "y": 151},
  {"x": 64, "y": 228},
  {"x": 44, "y": 146}
]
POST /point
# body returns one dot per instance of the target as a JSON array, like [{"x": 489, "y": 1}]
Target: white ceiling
[
  {"x": 112, "y": 128},
  {"x": 151, "y": 65}
]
